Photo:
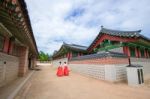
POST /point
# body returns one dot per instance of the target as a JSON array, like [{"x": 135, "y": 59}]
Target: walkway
[{"x": 44, "y": 84}]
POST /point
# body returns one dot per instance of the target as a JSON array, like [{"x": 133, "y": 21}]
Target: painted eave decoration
[
  {"x": 134, "y": 36},
  {"x": 14, "y": 16}
]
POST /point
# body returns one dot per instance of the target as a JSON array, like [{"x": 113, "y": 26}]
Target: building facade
[
  {"x": 131, "y": 43},
  {"x": 70, "y": 50},
  {"x": 109, "y": 54},
  {"x": 18, "y": 50}
]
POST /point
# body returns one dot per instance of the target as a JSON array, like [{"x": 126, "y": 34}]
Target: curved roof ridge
[
  {"x": 122, "y": 31},
  {"x": 119, "y": 33}
]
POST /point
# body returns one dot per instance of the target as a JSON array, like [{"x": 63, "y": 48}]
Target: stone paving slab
[
  {"x": 44, "y": 84},
  {"x": 10, "y": 90}
]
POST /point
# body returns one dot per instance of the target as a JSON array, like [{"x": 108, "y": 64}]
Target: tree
[{"x": 43, "y": 56}]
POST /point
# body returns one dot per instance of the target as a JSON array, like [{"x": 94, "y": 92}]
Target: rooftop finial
[{"x": 102, "y": 26}]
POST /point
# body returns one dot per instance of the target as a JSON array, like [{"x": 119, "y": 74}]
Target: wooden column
[
  {"x": 70, "y": 55},
  {"x": 128, "y": 51},
  {"x": 10, "y": 49},
  {"x": 145, "y": 54},
  {"x": 136, "y": 52},
  {"x": 139, "y": 52},
  {"x": 6, "y": 45}
]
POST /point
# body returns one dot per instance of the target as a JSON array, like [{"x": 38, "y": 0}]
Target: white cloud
[{"x": 55, "y": 21}]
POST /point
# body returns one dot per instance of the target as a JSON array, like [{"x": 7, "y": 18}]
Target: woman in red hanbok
[
  {"x": 66, "y": 70},
  {"x": 60, "y": 70}
]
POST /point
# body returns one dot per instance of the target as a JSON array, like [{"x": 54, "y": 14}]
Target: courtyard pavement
[{"x": 44, "y": 84}]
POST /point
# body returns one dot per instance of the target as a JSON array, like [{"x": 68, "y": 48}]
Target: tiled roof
[
  {"x": 75, "y": 46},
  {"x": 121, "y": 33},
  {"x": 100, "y": 55},
  {"x": 126, "y": 34}
]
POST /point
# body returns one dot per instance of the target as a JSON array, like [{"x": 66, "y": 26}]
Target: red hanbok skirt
[
  {"x": 66, "y": 71},
  {"x": 60, "y": 71}
]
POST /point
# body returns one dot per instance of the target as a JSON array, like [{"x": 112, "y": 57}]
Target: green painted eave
[
  {"x": 109, "y": 47},
  {"x": 16, "y": 30}
]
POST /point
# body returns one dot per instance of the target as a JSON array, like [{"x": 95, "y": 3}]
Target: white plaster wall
[
  {"x": 146, "y": 65},
  {"x": 132, "y": 75}
]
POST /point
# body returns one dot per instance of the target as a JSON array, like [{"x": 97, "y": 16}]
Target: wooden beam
[{"x": 111, "y": 38}]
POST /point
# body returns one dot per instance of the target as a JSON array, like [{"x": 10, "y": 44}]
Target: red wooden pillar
[
  {"x": 128, "y": 51},
  {"x": 10, "y": 50},
  {"x": 70, "y": 55},
  {"x": 145, "y": 54},
  {"x": 136, "y": 52},
  {"x": 139, "y": 52},
  {"x": 6, "y": 45}
]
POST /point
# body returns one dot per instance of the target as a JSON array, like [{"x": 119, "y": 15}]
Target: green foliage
[{"x": 44, "y": 56}]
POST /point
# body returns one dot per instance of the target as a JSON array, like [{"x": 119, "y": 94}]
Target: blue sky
[{"x": 79, "y": 21}]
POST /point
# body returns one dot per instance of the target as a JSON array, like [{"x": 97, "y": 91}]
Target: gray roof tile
[
  {"x": 121, "y": 33},
  {"x": 100, "y": 55}
]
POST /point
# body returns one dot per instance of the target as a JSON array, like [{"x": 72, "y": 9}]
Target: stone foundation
[{"x": 8, "y": 68}]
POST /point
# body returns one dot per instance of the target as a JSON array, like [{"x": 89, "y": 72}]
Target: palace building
[
  {"x": 18, "y": 50},
  {"x": 69, "y": 51},
  {"x": 111, "y": 52},
  {"x": 130, "y": 43}
]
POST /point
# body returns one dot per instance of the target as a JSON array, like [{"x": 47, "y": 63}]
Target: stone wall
[
  {"x": 109, "y": 68},
  {"x": 9, "y": 66},
  {"x": 95, "y": 71}
]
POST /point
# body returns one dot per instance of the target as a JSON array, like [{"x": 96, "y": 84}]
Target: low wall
[
  {"x": 109, "y": 68},
  {"x": 145, "y": 62},
  {"x": 9, "y": 66},
  {"x": 96, "y": 71}
]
